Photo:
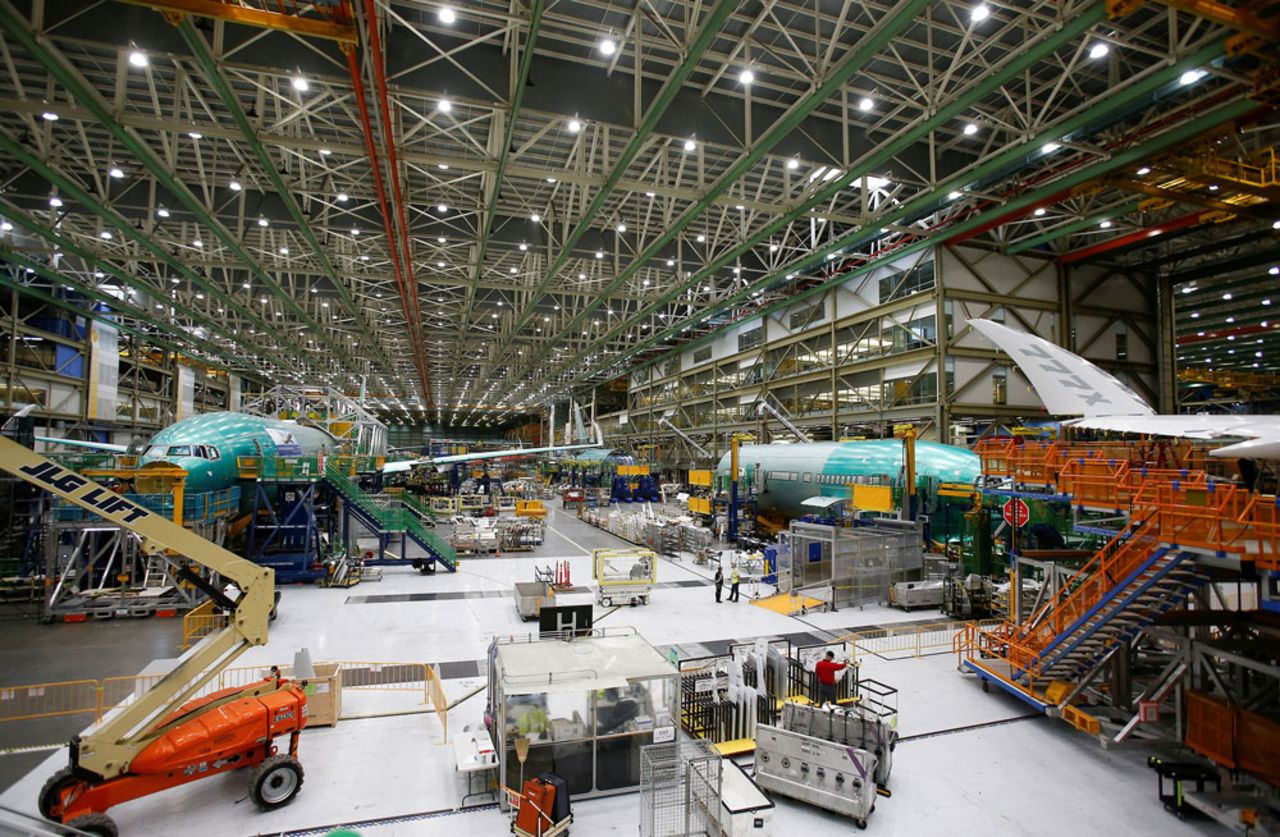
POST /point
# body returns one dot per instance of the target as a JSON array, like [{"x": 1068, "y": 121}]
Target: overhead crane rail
[{"x": 331, "y": 19}]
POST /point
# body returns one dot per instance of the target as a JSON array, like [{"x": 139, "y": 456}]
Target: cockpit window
[
  {"x": 179, "y": 450},
  {"x": 212, "y": 453}
]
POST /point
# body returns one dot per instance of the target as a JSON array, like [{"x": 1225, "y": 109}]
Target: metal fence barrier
[{"x": 96, "y": 698}]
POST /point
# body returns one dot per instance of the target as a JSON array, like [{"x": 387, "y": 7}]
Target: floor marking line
[
  {"x": 970, "y": 727},
  {"x": 390, "y": 820},
  {"x": 585, "y": 551},
  {"x": 34, "y": 748}
]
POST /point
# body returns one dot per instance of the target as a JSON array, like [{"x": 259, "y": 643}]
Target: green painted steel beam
[
  {"x": 37, "y": 45},
  {"x": 1074, "y": 227},
  {"x": 1119, "y": 160},
  {"x": 70, "y": 188},
  {"x": 1118, "y": 100},
  {"x": 69, "y": 245},
  {"x": 670, "y": 89},
  {"x": 121, "y": 308},
  {"x": 884, "y": 154},
  {"x": 204, "y": 58},
  {"x": 857, "y": 59},
  {"x": 517, "y": 98}
]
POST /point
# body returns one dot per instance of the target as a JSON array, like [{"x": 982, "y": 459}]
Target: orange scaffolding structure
[{"x": 1170, "y": 504}]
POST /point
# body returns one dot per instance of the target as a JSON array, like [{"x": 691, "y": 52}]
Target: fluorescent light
[
  {"x": 608, "y": 46},
  {"x": 953, "y": 196},
  {"x": 793, "y": 164},
  {"x": 116, "y": 172},
  {"x": 197, "y": 243},
  {"x": 1144, "y": 171},
  {"x": 1105, "y": 225},
  {"x": 701, "y": 238},
  {"x": 343, "y": 197},
  {"x": 262, "y": 222},
  {"x": 599, "y": 254},
  {"x": 1098, "y": 50},
  {"x": 49, "y": 116},
  {"x": 446, "y": 15},
  {"x": 865, "y": 103},
  {"x": 104, "y": 235},
  {"x": 535, "y": 218},
  {"x": 979, "y": 13},
  {"x": 1039, "y": 211},
  {"x": 746, "y": 76},
  {"x": 234, "y": 185},
  {"x": 138, "y": 58},
  {"x": 440, "y": 207},
  {"x": 1050, "y": 147},
  {"x": 970, "y": 129},
  {"x": 162, "y": 212},
  {"x": 574, "y": 126},
  {"x": 690, "y": 145},
  {"x": 1191, "y": 77},
  {"x": 444, "y": 105}
]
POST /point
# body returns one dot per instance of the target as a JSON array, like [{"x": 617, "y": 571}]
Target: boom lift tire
[
  {"x": 99, "y": 825},
  {"x": 275, "y": 782},
  {"x": 51, "y": 793}
]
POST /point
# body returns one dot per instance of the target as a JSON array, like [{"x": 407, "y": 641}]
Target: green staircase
[{"x": 396, "y": 518}]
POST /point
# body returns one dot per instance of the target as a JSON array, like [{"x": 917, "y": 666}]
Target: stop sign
[{"x": 1016, "y": 512}]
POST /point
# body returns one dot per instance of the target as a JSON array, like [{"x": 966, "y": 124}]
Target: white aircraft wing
[
  {"x": 406, "y": 464},
  {"x": 1262, "y": 432},
  {"x": 77, "y": 443},
  {"x": 1068, "y": 384}
]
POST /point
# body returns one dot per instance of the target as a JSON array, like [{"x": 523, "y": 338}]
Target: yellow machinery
[
  {"x": 531, "y": 508},
  {"x": 623, "y": 575},
  {"x": 116, "y": 761}
]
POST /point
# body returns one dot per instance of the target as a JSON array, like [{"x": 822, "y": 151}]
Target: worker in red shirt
[{"x": 827, "y": 669}]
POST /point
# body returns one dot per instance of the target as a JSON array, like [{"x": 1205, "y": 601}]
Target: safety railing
[
  {"x": 199, "y": 622},
  {"x": 1258, "y": 532},
  {"x": 1204, "y": 516},
  {"x": 998, "y": 643},
  {"x": 414, "y": 503},
  {"x": 95, "y": 698},
  {"x": 907, "y": 640},
  {"x": 1118, "y": 559},
  {"x": 996, "y": 454},
  {"x": 198, "y": 507}
]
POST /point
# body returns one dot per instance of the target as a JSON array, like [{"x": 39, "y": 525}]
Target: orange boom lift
[{"x": 165, "y": 737}]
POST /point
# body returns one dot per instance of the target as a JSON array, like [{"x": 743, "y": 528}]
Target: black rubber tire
[
  {"x": 276, "y": 781},
  {"x": 49, "y": 794},
  {"x": 861, "y": 824},
  {"x": 99, "y": 825}
]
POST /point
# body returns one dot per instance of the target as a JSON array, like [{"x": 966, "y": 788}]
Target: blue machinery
[{"x": 304, "y": 512}]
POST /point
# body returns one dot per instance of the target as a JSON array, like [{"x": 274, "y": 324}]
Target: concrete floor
[{"x": 971, "y": 763}]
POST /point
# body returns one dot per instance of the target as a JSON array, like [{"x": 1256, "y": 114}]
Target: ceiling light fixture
[
  {"x": 1098, "y": 50},
  {"x": 608, "y": 46},
  {"x": 138, "y": 58},
  {"x": 446, "y": 15}
]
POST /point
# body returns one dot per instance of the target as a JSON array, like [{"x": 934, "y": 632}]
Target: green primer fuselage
[{"x": 232, "y": 435}]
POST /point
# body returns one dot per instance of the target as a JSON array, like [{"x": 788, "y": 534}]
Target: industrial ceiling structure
[{"x": 470, "y": 209}]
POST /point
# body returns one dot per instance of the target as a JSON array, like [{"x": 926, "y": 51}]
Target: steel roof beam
[
  {"x": 1171, "y": 138},
  {"x": 72, "y": 189},
  {"x": 70, "y": 78},
  {"x": 490, "y": 209},
  {"x": 867, "y": 50},
  {"x": 208, "y": 65},
  {"x": 670, "y": 89},
  {"x": 1072, "y": 228},
  {"x": 1014, "y": 67}
]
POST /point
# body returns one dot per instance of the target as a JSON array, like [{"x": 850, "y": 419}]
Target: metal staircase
[{"x": 391, "y": 519}]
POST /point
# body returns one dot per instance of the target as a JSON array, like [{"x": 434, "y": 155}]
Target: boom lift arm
[{"x": 109, "y": 751}]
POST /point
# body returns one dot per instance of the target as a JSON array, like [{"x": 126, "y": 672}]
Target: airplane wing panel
[
  {"x": 77, "y": 443},
  {"x": 406, "y": 464},
  {"x": 1263, "y": 432},
  {"x": 1066, "y": 383}
]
